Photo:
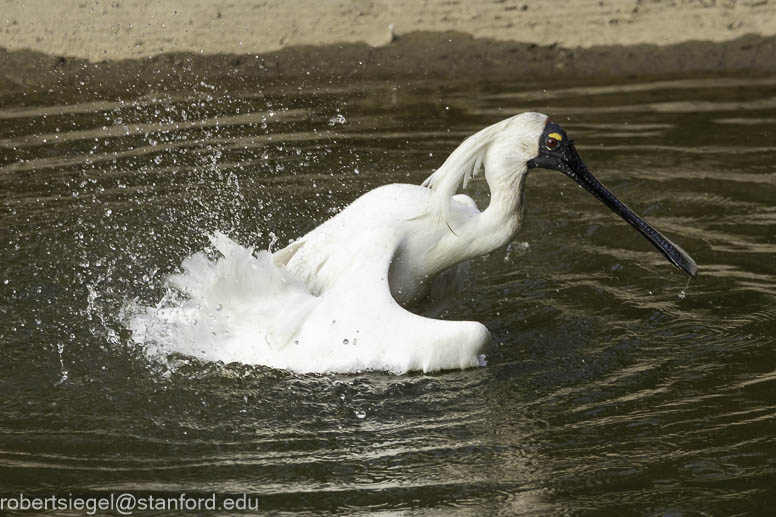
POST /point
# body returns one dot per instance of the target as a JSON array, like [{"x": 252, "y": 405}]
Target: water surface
[{"x": 612, "y": 386}]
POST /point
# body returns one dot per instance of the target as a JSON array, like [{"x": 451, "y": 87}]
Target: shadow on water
[{"x": 613, "y": 387}]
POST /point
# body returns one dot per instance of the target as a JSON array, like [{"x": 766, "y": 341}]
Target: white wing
[{"x": 357, "y": 325}]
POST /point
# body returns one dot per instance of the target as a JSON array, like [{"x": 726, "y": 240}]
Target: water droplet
[
  {"x": 337, "y": 119},
  {"x": 108, "y": 212},
  {"x": 360, "y": 414},
  {"x": 219, "y": 307},
  {"x": 356, "y": 171},
  {"x": 345, "y": 341},
  {"x": 682, "y": 295},
  {"x": 62, "y": 377},
  {"x": 158, "y": 160},
  {"x": 483, "y": 360}
]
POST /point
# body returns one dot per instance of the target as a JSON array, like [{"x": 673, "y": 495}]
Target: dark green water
[{"x": 612, "y": 388}]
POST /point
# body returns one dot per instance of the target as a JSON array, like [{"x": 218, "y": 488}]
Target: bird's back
[
  {"x": 390, "y": 221},
  {"x": 380, "y": 219}
]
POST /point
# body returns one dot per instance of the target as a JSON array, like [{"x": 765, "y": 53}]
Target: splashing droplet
[
  {"x": 63, "y": 373},
  {"x": 337, "y": 119},
  {"x": 360, "y": 414},
  {"x": 683, "y": 292}
]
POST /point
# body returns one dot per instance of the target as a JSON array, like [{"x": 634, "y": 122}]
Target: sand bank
[
  {"x": 163, "y": 44},
  {"x": 121, "y": 29}
]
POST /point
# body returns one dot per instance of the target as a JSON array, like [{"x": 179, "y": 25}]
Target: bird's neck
[
  {"x": 493, "y": 227},
  {"x": 501, "y": 220},
  {"x": 484, "y": 232}
]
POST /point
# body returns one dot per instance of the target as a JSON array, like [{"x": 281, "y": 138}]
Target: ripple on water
[{"x": 605, "y": 392}]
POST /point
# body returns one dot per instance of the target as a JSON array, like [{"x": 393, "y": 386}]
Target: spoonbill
[
  {"x": 392, "y": 246},
  {"x": 336, "y": 299}
]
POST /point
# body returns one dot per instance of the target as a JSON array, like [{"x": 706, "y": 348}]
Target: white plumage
[{"x": 334, "y": 299}]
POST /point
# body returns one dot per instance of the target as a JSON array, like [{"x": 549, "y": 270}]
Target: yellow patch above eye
[{"x": 556, "y": 136}]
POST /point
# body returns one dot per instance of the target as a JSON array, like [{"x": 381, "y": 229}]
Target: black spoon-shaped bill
[
  {"x": 557, "y": 152},
  {"x": 573, "y": 167}
]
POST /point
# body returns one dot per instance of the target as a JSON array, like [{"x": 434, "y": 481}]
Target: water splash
[
  {"x": 683, "y": 293},
  {"x": 63, "y": 373},
  {"x": 337, "y": 119}
]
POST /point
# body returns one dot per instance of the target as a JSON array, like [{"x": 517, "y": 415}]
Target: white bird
[{"x": 334, "y": 300}]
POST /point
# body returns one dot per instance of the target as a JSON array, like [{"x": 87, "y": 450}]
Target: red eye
[{"x": 551, "y": 143}]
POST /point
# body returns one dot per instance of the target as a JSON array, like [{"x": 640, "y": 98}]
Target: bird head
[{"x": 556, "y": 151}]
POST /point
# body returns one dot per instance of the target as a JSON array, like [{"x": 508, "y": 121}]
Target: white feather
[
  {"x": 463, "y": 163},
  {"x": 335, "y": 300}
]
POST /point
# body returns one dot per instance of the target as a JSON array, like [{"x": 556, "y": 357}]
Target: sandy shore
[
  {"x": 120, "y": 29},
  {"x": 99, "y": 43}
]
